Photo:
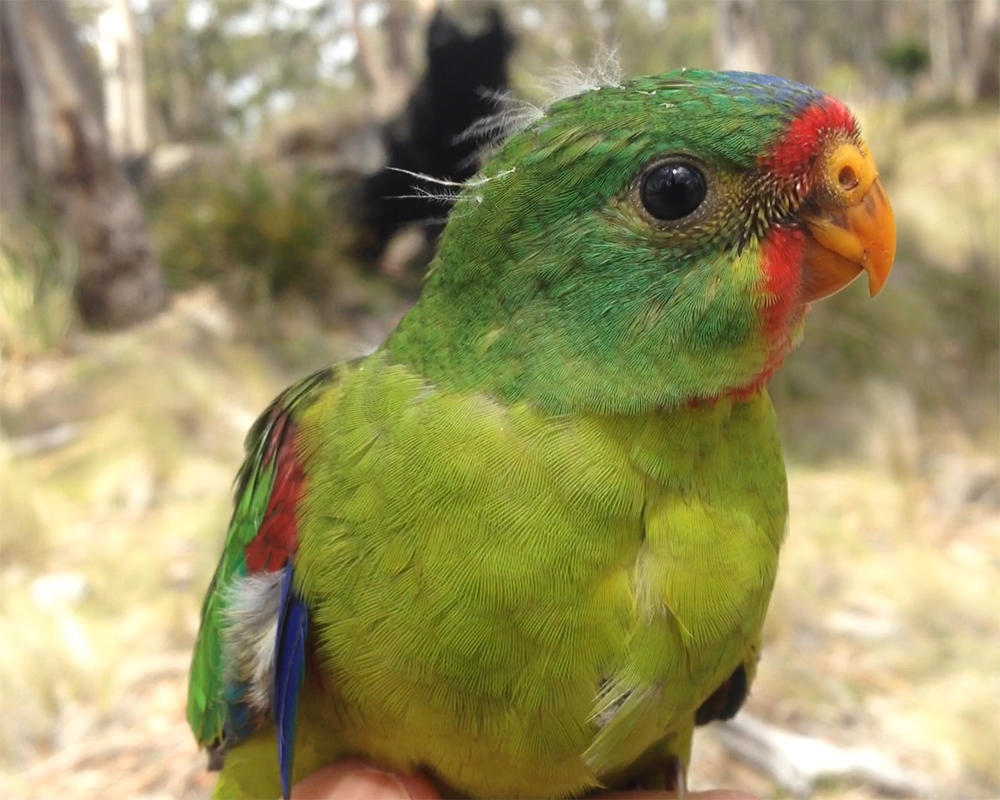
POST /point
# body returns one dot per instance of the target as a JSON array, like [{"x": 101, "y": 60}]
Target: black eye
[{"x": 672, "y": 191}]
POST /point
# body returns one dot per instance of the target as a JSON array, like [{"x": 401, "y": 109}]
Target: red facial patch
[
  {"x": 277, "y": 539},
  {"x": 789, "y": 165},
  {"x": 795, "y": 152}
]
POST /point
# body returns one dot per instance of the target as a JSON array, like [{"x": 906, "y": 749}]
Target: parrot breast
[{"x": 578, "y": 590}]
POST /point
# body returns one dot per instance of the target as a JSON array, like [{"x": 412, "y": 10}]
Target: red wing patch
[{"x": 277, "y": 538}]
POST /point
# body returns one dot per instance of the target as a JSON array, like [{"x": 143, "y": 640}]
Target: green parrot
[{"x": 528, "y": 544}]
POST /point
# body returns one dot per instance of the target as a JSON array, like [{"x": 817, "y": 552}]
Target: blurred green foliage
[
  {"x": 907, "y": 57},
  {"x": 224, "y": 66},
  {"x": 272, "y": 225}
]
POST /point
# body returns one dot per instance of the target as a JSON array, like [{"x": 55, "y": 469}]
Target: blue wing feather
[{"x": 289, "y": 671}]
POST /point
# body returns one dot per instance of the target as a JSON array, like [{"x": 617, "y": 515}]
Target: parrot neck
[{"x": 546, "y": 320}]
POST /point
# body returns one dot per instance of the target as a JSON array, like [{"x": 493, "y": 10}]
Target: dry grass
[
  {"x": 37, "y": 272},
  {"x": 885, "y": 628}
]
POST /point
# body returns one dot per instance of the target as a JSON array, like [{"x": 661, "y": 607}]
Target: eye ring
[{"x": 672, "y": 190}]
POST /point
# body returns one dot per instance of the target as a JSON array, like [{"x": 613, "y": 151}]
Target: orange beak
[{"x": 852, "y": 229}]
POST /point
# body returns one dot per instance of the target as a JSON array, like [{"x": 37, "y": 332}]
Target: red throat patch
[{"x": 781, "y": 253}]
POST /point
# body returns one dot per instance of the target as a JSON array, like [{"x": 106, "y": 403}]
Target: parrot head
[{"x": 650, "y": 244}]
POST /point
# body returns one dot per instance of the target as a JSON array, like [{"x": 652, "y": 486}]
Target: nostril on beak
[{"x": 848, "y": 178}]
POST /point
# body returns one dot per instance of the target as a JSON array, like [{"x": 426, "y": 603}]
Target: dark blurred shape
[
  {"x": 466, "y": 66},
  {"x": 985, "y": 51},
  {"x": 725, "y": 701}
]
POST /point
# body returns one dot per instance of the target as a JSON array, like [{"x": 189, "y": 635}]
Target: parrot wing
[{"x": 249, "y": 659}]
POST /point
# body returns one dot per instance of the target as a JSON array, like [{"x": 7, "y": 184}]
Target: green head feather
[{"x": 554, "y": 286}]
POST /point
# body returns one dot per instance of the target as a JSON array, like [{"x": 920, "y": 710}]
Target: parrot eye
[{"x": 672, "y": 191}]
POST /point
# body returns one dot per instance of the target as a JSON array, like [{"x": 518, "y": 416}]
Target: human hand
[{"x": 356, "y": 779}]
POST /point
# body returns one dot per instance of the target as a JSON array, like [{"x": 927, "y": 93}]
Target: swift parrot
[{"x": 528, "y": 543}]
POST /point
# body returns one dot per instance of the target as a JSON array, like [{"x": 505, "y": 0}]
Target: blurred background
[{"x": 197, "y": 209}]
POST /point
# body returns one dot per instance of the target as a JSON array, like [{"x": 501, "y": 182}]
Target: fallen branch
[
  {"x": 797, "y": 763},
  {"x": 51, "y": 439}
]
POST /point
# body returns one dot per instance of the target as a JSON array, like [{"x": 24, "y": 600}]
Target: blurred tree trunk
[
  {"x": 386, "y": 71},
  {"x": 979, "y": 70},
  {"x": 120, "y": 51},
  {"x": 740, "y": 36},
  {"x": 15, "y": 138},
  {"x": 55, "y": 113},
  {"x": 939, "y": 20},
  {"x": 797, "y": 16}
]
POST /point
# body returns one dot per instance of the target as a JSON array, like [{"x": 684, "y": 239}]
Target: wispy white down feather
[
  {"x": 250, "y": 634},
  {"x": 606, "y": 71},
  {"x": 452, "y": 189},
  {"x": 514, "y": 115}
]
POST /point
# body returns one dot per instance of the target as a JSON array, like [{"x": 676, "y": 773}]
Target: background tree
[
  {"x": 60, "y": 156},
  {"x": 979, "y": 71},
  {"x": 741, "y": 41},
  {"x": 120, "y": 51}
]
